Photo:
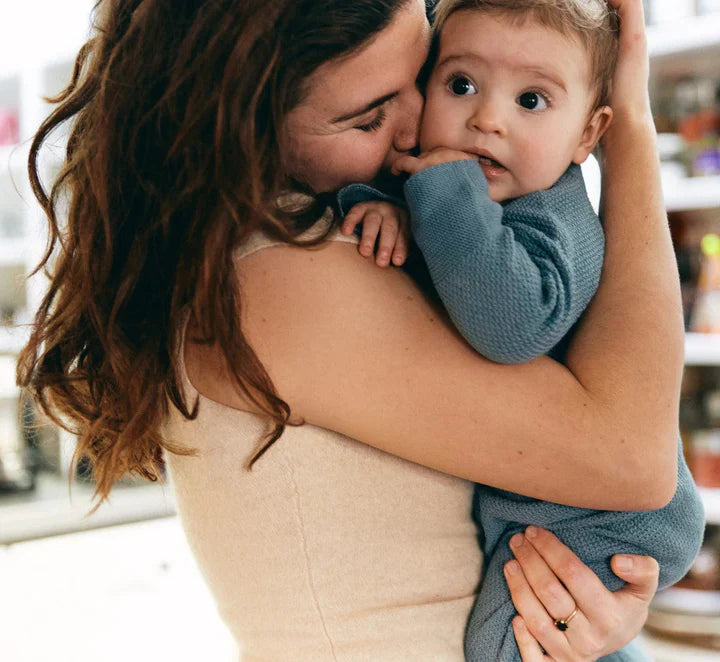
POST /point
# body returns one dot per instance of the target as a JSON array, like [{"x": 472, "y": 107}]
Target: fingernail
[
  {"x": 531, "y": 532},
  {"x": 624, "y": 563},
  {"x": 512, "y": 567},
  {"x": 516, "y": 541},
  {"x": 519, "y": 623}
]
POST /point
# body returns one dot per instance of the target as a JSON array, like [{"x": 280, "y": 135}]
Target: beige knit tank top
[{"x": 328, "y": 549}]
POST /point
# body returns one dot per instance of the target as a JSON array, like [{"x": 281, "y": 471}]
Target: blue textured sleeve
[
  {"x": 514, "y": 278},
  {"x": 352, "y": 194}
]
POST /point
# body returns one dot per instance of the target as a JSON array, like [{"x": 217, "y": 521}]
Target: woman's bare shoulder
[{"x": 360, "y": 350}]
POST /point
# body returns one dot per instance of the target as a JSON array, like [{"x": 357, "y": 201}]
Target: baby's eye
[
  {"x": 533, "y": 101},
  {"x": 461, "y": 86}
]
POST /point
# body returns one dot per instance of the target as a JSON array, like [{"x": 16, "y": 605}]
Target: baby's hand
[
  {"x": 412, "y": 164},
  {"x": 390, "y": 221}
]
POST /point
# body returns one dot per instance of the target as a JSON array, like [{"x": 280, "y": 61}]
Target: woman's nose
[
  {"x": 408, "y": 131},
  {"x": 487, "y": 118}
]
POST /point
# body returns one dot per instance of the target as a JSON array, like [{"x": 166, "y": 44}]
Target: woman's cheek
[{"x": 363, "y": 159}]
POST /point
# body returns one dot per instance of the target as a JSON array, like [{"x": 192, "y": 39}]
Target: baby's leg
[{"x": 672, "y": 535}]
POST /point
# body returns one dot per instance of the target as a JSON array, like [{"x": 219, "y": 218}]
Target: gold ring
[{"x": 562, "y": 623}]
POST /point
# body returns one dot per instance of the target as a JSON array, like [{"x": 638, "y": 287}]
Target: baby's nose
[{"x": 487, "y": 118}]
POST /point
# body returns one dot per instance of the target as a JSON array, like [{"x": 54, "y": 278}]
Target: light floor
[{"x": 129, "y": 592}]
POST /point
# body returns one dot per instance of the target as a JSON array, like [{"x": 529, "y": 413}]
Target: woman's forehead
[{"x": 383, "y": 67}]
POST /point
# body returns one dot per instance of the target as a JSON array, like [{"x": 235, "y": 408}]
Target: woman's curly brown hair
[{"x": 175, "y": 110}]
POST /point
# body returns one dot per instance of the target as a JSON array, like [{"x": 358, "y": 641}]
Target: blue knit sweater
[{"x": 515, "y": 278}]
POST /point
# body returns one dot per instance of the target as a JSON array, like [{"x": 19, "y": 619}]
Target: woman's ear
[{"x": 597, "y": 125}]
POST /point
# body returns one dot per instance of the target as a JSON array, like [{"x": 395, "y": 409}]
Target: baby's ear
[{"x": 597, "y": 125}]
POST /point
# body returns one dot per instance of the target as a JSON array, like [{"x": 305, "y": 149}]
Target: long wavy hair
[{"x": 175, "y": 110}]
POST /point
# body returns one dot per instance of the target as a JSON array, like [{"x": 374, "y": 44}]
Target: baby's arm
[
  {"x": 380, "y": 214},
  {"x": 513, "y": 278},
  {"x": 377, "y": 214}
]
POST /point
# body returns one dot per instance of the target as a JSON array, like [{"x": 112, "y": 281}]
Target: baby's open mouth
[
  {"x": 486, "y": 160},
  {"x": 491, "y": 166}
]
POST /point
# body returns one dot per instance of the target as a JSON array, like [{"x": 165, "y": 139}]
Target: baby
[{"x": 516, "y": 100}]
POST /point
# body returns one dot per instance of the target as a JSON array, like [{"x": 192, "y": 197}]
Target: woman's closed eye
[
  {"x": 375, "y": 123},
  {"x": 534, "y": 100}
]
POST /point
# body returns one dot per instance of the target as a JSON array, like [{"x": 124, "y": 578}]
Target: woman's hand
[
  {"x": 630, "y": 98},
  {"x": 548, "y": 582}
]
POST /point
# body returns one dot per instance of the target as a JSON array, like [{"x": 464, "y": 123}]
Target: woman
[{"x": 205, "y": 136}]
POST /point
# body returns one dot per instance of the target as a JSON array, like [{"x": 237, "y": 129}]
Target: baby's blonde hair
[{"x": 592, "y": 22}]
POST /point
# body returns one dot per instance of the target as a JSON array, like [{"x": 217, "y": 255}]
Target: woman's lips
[{"x": 491, "y": 167}]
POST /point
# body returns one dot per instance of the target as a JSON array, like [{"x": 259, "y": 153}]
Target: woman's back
[{"x": 328, "y": 549}]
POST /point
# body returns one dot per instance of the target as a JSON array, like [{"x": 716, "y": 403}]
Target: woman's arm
[
  {"x": 360, "y": 350},
  {"x": 635, "y": 321}
]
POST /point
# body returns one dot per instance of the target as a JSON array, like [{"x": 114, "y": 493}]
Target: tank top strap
[{"x": 259, "y": 240}]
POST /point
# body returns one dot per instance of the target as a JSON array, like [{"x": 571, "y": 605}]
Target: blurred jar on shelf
[
  {"x": 688, "y": 229},
  {"x": 700, "y": 127},
  {"x": 689, "y": 108},
  {"x": 705, "y": 316},
  {"x": 700, "y": 423}
]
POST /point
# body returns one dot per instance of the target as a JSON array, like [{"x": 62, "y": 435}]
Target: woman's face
[{"x": 362, "y": 112}]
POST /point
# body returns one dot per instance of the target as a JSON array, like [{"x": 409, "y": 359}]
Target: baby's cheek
[
  {"x": 542, "y": 166},
  {"x": 435, "y": 124}
]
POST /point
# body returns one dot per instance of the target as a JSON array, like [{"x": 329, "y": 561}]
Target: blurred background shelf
[
  {"x": 690, "y": 193},
  {"x": 12, "y": 338},
  {"x": 51, "y": 510},
  {"x": 702, "y": 349},
  {"x": 687, "y": 35},
  {"x": 711, "y": 501}
]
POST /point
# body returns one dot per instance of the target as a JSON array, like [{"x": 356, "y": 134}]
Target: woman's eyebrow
[{"x": 361, "y": 111}]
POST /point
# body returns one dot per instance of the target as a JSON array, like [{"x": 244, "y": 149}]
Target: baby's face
[{"x": 517, "y": 95}]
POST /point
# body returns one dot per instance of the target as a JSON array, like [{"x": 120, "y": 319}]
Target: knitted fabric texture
[
  {"x": 672, "y": 535},
  {"x": 515, "y": 278}
]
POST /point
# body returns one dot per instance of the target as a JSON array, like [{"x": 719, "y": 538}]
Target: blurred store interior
[{"x": 72, "y": 586}]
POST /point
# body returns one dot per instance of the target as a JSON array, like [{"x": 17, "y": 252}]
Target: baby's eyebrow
[
  {"x": 522, "y": 67},
  {"x": 367, "y": 108},
  {"x": 542, "y": 73}
]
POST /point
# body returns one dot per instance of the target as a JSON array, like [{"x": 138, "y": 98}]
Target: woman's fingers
[
  {"x": 530, "y": 649},
  {"x": 586, "y": 589},
  {"x": 632, "y": 16},
  {"x": 543, "y": 581},
  {"x": 640, "y": 572},
  {"x": 536, "y": 617},
  {"x": 557, "y": 602},
  {"x": 605, "y": 621},
  {"x": 629, "y": 96}
]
